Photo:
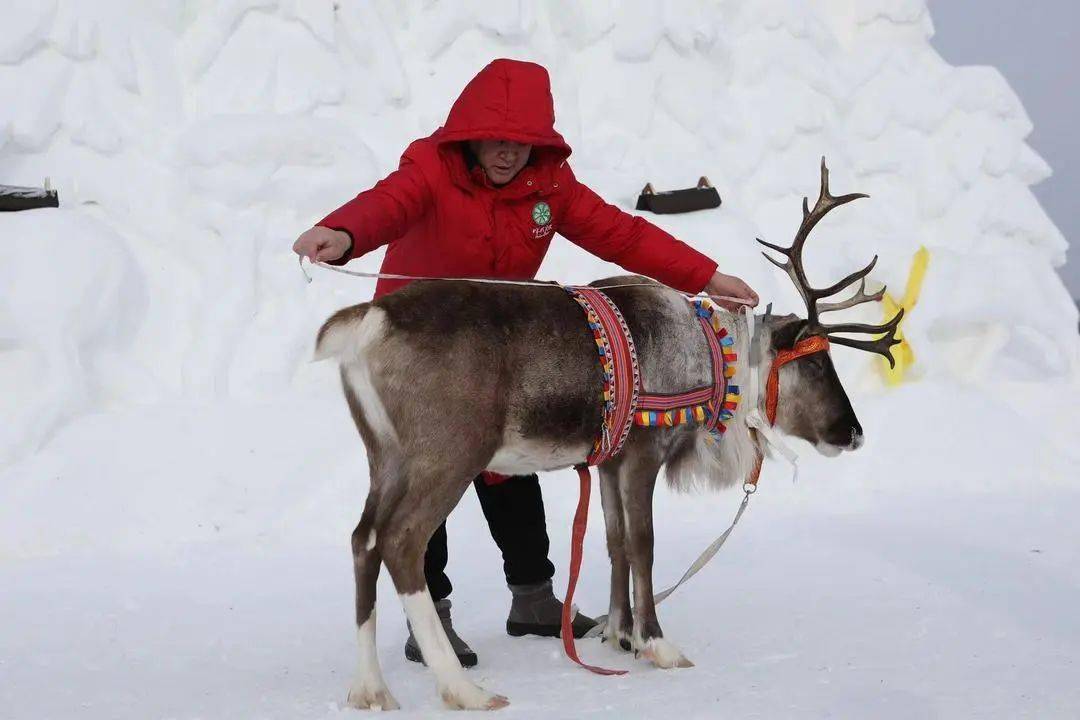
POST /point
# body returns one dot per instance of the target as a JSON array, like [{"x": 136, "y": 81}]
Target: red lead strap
[
  {"x": 577, "y": 540},
  {"x": 804, "y": 347}
]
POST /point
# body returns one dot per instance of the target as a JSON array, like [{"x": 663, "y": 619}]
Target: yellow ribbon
[{"x": 902, "y": 353}]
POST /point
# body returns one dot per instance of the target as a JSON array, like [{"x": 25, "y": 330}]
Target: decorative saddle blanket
[{"x": 625, "y": 401}]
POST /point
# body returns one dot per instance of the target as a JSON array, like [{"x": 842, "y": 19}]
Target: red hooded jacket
[{"x": 441, "y": 218}]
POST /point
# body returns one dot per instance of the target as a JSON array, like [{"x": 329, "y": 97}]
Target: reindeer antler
[
  {"x": 811, "y": 296},
  {"x": 858, "y": 298}
]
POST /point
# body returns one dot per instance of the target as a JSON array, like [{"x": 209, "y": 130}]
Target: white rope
[
  {"x": 701, "y": 561},
  {"x": 754, "y": 421},
  {"x": 498, "y": 281},
  {"x": 754, "y": 418}
]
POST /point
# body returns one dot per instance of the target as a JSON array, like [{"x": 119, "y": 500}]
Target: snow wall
[{"x": 192, "y": 141}]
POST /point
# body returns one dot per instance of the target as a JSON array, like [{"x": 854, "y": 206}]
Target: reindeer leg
[
  {"x": 636, "y": 483},
  {"x": 368, "y": 690},
  {"x": 620, "y": 620},
  {"x": 427, "y": 501}
]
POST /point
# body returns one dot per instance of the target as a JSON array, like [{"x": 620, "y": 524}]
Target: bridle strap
[{"x": 806, "y": 346}]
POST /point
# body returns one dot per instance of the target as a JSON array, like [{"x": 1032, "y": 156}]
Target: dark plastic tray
[
  {"x": 26, "y": 198},
  {"x": 702, "y": 197}
]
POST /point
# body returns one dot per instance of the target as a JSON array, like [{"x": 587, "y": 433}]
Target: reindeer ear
[{"x": 785, "y": 330}]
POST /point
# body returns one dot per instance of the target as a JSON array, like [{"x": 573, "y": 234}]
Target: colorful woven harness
[
  {"x": 626, "y": 404},
  {"x": 619, "y": 365},
  {"x": 624, "y": 401}
]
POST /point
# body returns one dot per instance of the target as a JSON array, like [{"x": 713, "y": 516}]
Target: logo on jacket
[{"x": 541, "y": 213}]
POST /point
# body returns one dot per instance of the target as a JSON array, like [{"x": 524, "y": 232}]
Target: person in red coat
[{"x": 483, "y": 196}]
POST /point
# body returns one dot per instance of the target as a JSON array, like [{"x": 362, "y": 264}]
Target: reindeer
[{"x": 445, "y": 379}]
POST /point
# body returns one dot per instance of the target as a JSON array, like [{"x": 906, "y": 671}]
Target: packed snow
[{"x": 178, "y": 482}]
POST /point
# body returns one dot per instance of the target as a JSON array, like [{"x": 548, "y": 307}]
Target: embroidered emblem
[
  {"x": 543, "y": 231},
  {"x": 541, "y": 213}
]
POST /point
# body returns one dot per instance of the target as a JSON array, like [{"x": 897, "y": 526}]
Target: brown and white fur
[{"x": 445, "y": 379}]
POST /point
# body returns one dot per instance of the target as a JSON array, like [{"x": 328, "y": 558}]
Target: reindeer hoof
[
  {"x": 498, "y": 702},
  {"x": 372, "y": 699},
  {"x": 466, "y": 696},
  {"x": 664, "y": 654},
  {"x": 618, "y": 638}
]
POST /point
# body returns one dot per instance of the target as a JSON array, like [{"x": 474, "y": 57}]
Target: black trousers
[{"x": 515, "y": 515}]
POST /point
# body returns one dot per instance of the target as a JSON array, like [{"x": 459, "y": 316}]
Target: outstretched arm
[
  {"x": 641, "y": 247},
  {"x": 373, "y": 218}
]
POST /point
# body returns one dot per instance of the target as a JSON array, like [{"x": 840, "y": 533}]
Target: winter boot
[
  {"x": 536, "y": 611},
  {"x": 465, "y": 654}
]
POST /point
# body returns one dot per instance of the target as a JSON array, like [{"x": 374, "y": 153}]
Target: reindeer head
[{"x": 804, "y": 395}]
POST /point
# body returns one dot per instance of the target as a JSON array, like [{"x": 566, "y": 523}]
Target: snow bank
[
  {"x": 208, "y": 138},
  {"x": 73, "y": 299},
  {"x": 191, "y": 145}
]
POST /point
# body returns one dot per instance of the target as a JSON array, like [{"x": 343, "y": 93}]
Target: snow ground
[{"x": 216, "y": 582}]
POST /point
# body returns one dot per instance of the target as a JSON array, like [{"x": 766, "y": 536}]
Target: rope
[
  {"x": 754, "y": 420},
  {"x": 500, "y": 281},
  {"x": 756, "y": 423},
  {"x": 701, "y": 561}
]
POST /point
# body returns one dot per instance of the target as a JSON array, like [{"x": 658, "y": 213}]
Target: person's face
[{"x": 500, "y": 159}]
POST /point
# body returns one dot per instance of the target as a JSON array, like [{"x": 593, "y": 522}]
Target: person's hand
[
  {"x": 321, "y": 244},
  {"x": 731, "y": 286}
]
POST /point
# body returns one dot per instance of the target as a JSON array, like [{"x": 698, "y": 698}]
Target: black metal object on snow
[
  {"x": 14, "y": 198},
  {"x": 702, "y": 197}
]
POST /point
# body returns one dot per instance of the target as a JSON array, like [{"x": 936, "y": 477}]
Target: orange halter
[{"x": 806, "y": 346}]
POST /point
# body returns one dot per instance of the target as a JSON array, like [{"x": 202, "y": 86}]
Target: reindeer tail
[{"x": 345, "y": 333}]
